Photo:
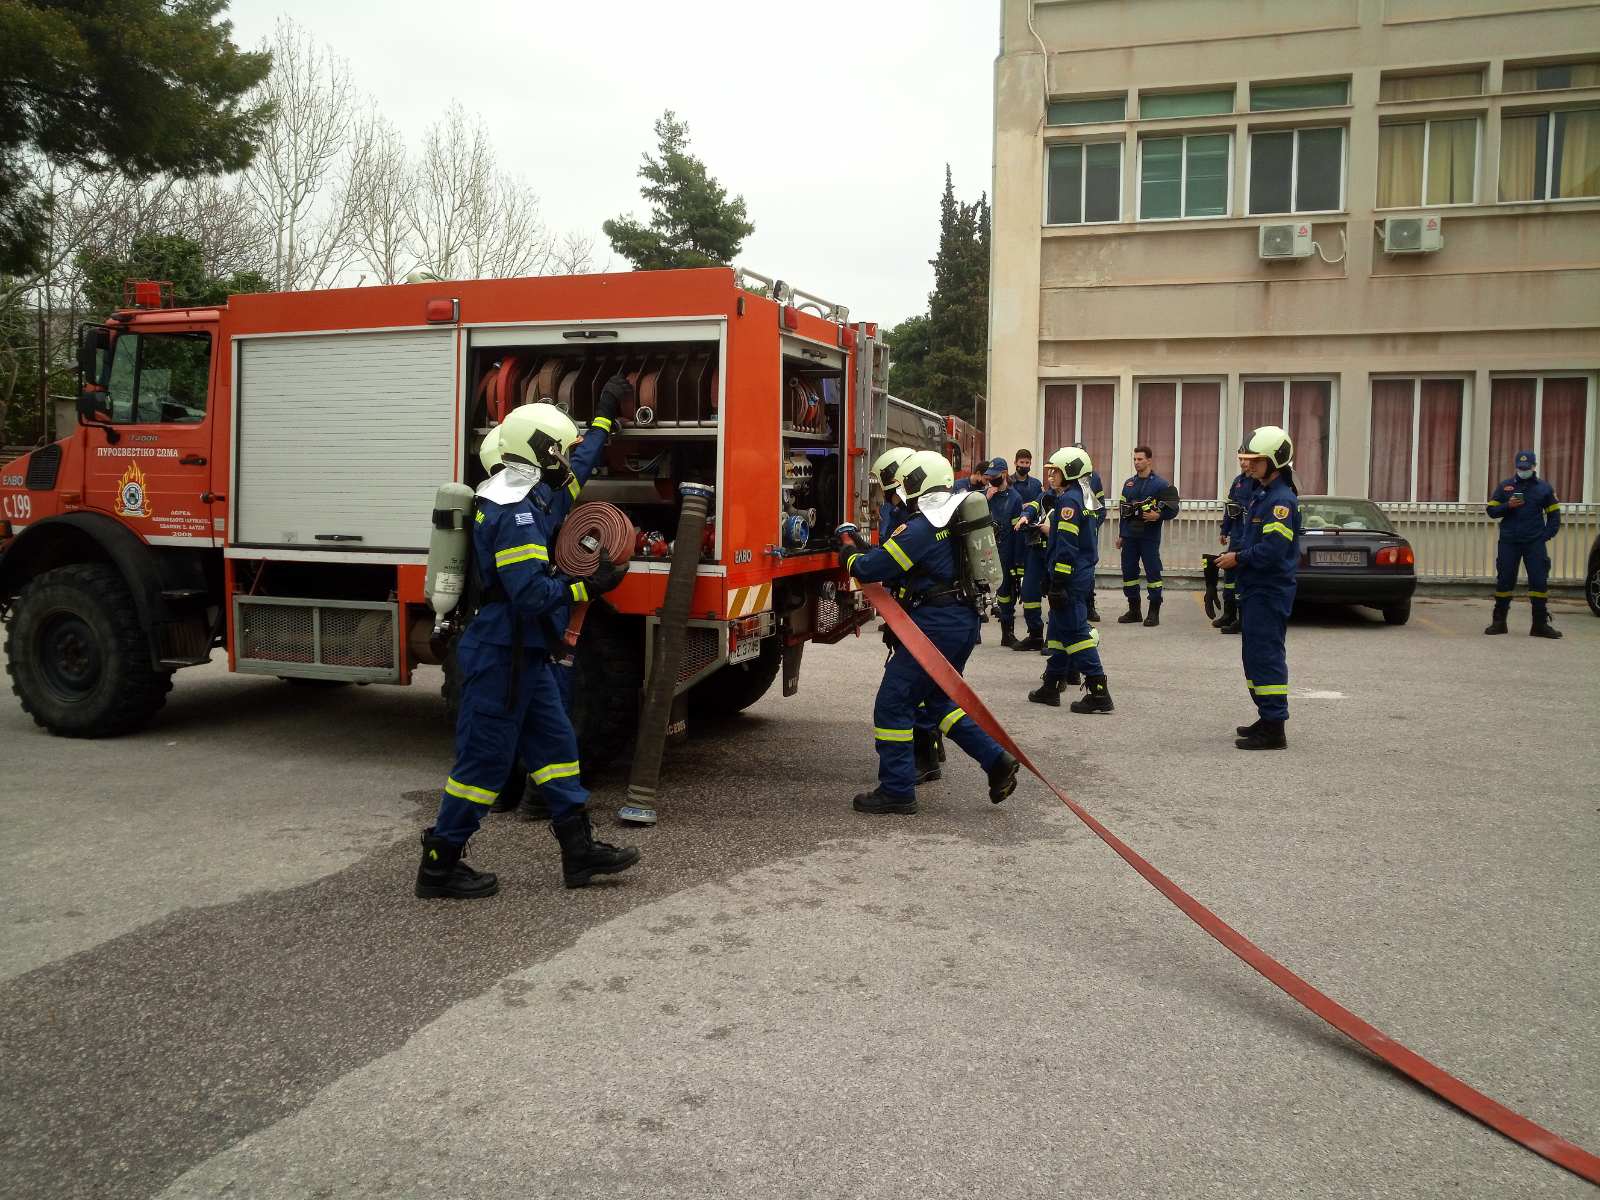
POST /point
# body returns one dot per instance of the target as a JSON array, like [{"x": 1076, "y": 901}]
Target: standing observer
[
  {"x": 1529, "y": 516},
  {"x": 1148, "y": 502},
  {"x": 1266, "y": 565}
]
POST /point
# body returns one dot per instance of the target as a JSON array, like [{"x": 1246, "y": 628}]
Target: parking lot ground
[{"x": 215, "y": 980}]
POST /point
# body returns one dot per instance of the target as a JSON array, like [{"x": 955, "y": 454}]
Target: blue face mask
[{"x": 1524, "y": 474}]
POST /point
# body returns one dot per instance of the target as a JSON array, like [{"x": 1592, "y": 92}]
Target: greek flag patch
[{"x": 524, "y": 518}]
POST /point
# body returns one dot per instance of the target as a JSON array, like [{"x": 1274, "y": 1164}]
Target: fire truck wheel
[
  {"x": 735, "y": 688},
  {"x": 78, "y": 659},
  {"x": 609, "y": 675}
]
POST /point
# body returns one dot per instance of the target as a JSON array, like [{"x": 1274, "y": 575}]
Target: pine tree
[
  {"x": 692, "y": 221},
  {"x": 958, "y": 307}
]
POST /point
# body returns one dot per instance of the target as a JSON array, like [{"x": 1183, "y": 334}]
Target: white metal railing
[{"x": 1452, "y": 541}]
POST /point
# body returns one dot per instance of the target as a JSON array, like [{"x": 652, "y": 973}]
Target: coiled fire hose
[
  {"x": 1438, "y": 1081},
  {"x": 670, "y": 633},
  {"x": 589, "y": 528}
]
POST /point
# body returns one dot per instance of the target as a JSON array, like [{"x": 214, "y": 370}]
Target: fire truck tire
[
  {"x": 733, "y": 689},
  {"x": 78, "y": 658},
  {"x": 605, "y": 689}
]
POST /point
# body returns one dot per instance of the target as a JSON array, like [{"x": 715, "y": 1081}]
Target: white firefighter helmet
[
  {"x": 925, "y": 471},
  {"x": 489, "y": 453},
  {"x": 886, "y": 467},
  {"x": 1269, "y": 442},
  {"x": 538, "y": 434},
  {"x": 1072, "y": 461}
]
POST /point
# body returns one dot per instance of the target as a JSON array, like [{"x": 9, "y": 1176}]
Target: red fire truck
[{"x": 258, "y": 478}]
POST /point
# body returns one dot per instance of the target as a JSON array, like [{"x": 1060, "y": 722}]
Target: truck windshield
[{"x": 160, "y": 378}]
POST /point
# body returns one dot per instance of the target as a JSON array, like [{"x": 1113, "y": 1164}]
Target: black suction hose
[{"x": 670, "y": 633}]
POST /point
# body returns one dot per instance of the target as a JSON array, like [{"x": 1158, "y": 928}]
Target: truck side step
[
  {"x": 182, "y": 593},
  {"x": 175, "y": 663}
]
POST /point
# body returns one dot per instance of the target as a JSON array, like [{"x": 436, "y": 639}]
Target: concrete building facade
[{"x": 1142, "y": 145}]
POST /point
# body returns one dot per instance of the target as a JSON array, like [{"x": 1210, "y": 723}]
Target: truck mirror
[{"x": 94, "y": 341}]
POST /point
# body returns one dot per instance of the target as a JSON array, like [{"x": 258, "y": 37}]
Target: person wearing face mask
[
  {"x": 1529, "y": 516},
  {"x": 1004, "y": 510},
  {"x": 1032, "y": 548}
]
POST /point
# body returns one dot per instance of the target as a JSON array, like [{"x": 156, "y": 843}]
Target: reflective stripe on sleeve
[
  {"x": 516, "y": 554},
  {"x": 573, "y": 487},
  {"x": 1278, "y": 527},
  {"x": 1067, "y": 525},
  {"x": 1063, "y": 568},
  {"x": 1494, "y": 504},
  {"x": 580, "y": 592},
  {"x": 891, "y": 735},
  {"x": 951, "y": 717},
  {"x": 465, "y": 791},
  {"x": 564, "y": 770},
  {"x": 1553, "y": 508},
  {"x": 899, "y": 555},
  {"x": 478, "y": 517},
  {"x": 604, "y": 423}
]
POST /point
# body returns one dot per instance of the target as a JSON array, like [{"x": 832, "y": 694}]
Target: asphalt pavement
[{"x": 216, "y": 982}]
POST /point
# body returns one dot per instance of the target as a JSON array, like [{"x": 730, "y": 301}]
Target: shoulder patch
[
  {"x": 898, "y": 530},
  {"x": 524, "y": 518},
  {"x": 1067, "y": 512},
  {"x": 1280, "y": 511}
]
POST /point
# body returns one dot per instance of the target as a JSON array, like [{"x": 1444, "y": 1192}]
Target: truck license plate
[
  {"x": 746, "y": 651},
  {"x": 1341, "y": 558}
]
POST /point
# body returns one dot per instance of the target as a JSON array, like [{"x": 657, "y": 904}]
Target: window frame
[
  {"x": 141, "y": 338},
  {"x": 1174, "y": 478},
  {"x": 1231, "y": 110},
  {"x": 1583, "y": 61},
  {"x": 1083, "y": 179},
  {"x": 1427, "y": 137},
  {"x": 1183, "y": 179},
  {"x": 1590, "y": 377},
  {"x": 1250, "y": 93},
  {"x": 1055, "y": 100},
  {"x": 1294, "y": 169},
  {"x": 1549, "y": 152},
  {"x": 1480, "y": 70},
  {"x": 1332, "y": 380},
  {"x": 1077, "y": 383},
  {"x": 1463, "y": 434}
]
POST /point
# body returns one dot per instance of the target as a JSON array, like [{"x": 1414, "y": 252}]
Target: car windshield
[{"x": 1333, "y": 512}]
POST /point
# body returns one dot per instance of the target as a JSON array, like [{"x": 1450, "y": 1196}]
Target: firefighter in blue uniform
[
  {"x": 1074, "y": 551},
  {"x": 1148, "y": 501},
  {"x": 1233, "y": 522},
  {"x": 1030, "y": 545},
  {"x": 892, "y": 513},
  {"x": 1529, "y": 516},
  {"x": 920, "y": 566},
  {"x": 1004, "y": 509},
  {"x": 510, "y": 701},
  {"x": 1266, "y": 563}
]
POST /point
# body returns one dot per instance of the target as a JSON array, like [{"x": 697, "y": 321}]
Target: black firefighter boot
[
  {"x": 1002, "y": 777},
  {"x": 925, "y": 750},
  {"x": 1267, "y": 735},
  {"x": 1154, "y": 618},
  {"x": 1032, "y": 642},
  {"x": 582, "y": 858},
  {"x": 1096, "y": 697},
  {"x": 1008, "y": 637},
  {"x": 1094, "y": 613},
  {"x": 1541, "y": 621},
  {"x": 1048, "y": 692},
  {"x": 442, "y": 873},
  {"x": 1497, "y": 623},
  {"x": 1134, "y": 614}
]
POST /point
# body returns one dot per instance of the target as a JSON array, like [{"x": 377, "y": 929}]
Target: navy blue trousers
[
  {"x": 1137, "y": 552},
  {"x": 906, "y": 687},
  {"x": 494, "y": 728},
  {"x": 1072, "y": 642},
  {"x": 1511, "y": 556},
  {"x": 1263, "y": 625},
  {"x": 1006, "y": 597},
  {"x": 1034, "y": 562}
]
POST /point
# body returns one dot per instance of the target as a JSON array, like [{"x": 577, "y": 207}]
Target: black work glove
[
  {"x": 850, "y": 544},
  {"x": 607, "y": 574},
  {"x": 616, "y": 390}
]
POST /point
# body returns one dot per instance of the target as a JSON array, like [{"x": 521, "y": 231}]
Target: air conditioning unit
[
  {"x": 1421, "y": 234},
  {"x": 1286, "y": 241}
]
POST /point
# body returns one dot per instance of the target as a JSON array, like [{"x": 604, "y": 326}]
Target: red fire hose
[
  {"x": 1441, "y": 1083},
  {"x": 589, "y": 528}
]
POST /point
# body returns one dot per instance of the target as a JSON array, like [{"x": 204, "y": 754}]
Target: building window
[
  {"x": 1184, "y": 176},
  {"x": 1297, "y": 170},
  {"x": 1548, "y": 414},
  {"x": 1305, "y": 408},
  {"x": 1550, "y": 155},
  {"x": 1095, "y": 111},
  {"x": 1431, "y": 87},
  {"x": 1270, "y": 97},
  {"x": 1552, "y": 77},
  {"x": 1181, "y": 421},
  {"x": 1079, "y": 414},
  {"x": 1085, "y": 183},
  {"x": 1214, "y": 103},
  {"x": 1430, "y": 162},
  {"x": 1417, "y": 426}
]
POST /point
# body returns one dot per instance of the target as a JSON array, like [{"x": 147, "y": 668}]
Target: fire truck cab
[{"x": 258, "y": 479}]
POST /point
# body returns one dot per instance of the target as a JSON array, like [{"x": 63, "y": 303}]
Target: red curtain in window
[
  {"x": 1561, "y": 435},
  {"x": 1390, "y": 461},
  {"x": 1099, "y": 403},
  {"x": 1439, "y": 441},
  {"x": 1263, "y": 403},
  {"x": 1310, "y": 407},
  {"x": 1202, "y": 419},
  {"x": 1060, "y": 416},
  {"x": 1158, "y": 411},
  {"x": 1511, "y": 404}
]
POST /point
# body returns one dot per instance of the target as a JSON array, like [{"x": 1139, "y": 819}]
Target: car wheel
[
  {"x": 1592, "y": 590},
  {"x": 1397, "y": 614}
]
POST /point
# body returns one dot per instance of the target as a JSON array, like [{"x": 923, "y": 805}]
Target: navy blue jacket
[
  {"x": 891, "y": 515},
  {"x": 1536, "y": 519},
  {"x": 1268, "y": 559},
  {"x": 1151, "y": 487},
  {"x": 1026, "y": 487},
  {"x": 1035, "y": 511},
  {"x": 1074, "y": 544},
  {"x": 1233, "y": 514},
  {"x": 512, "y": 543},
  {"x": 1004, "y": 508},
  {"x": 918, "y": 559}
]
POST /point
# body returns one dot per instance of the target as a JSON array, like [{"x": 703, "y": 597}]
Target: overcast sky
[{"x": 833, "y": 120}]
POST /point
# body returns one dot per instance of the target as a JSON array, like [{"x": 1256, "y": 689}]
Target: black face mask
[{"x": 1022, "y": 470}]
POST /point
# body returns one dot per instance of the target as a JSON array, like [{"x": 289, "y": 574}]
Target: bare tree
[
  {"x": 571, "y": 254},
  {"x": 221, "y": 216},
  {"x": 298, "y": 176},
  {"x": 381, "y": 182},
  {"x": 453, "y": 172}
]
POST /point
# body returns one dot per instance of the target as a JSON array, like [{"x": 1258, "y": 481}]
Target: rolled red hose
[{"x": 589, "y": 528}]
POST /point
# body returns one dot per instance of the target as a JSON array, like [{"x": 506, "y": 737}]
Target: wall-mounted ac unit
[
  {"x": 1286, "y": 241},
  {"x": 1421, "y": 234}
]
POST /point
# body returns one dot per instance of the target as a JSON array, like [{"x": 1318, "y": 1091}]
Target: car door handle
[{"x": 193, "y": 460}]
